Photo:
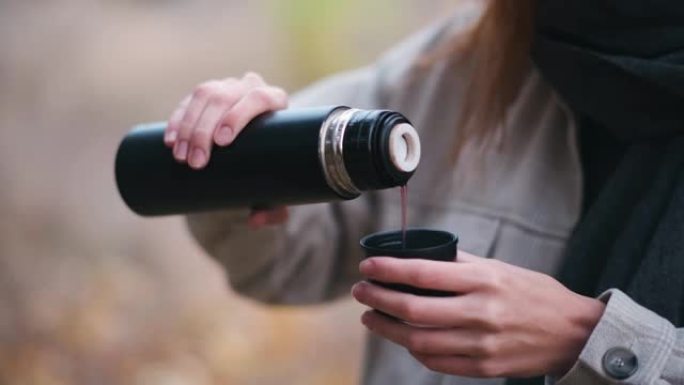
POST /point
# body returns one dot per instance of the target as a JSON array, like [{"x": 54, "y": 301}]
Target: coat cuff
[{"x": 630, "y": 344}]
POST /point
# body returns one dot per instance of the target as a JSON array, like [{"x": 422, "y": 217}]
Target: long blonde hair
[{"x": 499, "y": 46}]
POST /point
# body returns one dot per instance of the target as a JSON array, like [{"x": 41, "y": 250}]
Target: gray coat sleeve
[
  {"x": 314, "y": 256},
  {"x": 630, "y": 345}
]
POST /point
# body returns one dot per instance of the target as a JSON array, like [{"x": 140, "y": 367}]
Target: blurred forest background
[{"x": 90, "y": 293}]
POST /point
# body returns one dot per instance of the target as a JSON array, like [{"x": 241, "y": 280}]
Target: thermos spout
[{"x": 404, "y": 147}]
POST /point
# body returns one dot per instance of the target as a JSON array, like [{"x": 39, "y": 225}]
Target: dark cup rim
[{"x": 452, "y": 238}]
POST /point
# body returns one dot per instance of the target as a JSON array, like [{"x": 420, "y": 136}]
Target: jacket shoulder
[
  {"x": 368, "y": 86},
  {"x": 400, "y": 63}
]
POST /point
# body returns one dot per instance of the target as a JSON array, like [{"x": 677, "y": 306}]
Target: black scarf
[{"x": 619, "y": 64}]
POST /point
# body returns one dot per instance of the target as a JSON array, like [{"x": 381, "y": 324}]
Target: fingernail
[
  {"x": 357, "y": 289},
  {"x": 364, "y": 318},
  {"x": 170, "y": 136},
  {"x": 365, "y": 266},
  {"x": 198, "y": 158},
  {"x": 181, "y": 151},
  {"x": 224, "y": 135}
]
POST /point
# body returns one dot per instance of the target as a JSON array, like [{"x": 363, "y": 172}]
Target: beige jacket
[{"x": 519, "y": 205}]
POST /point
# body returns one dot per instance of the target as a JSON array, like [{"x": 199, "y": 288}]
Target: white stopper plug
[{"x": 404, "y": 147}]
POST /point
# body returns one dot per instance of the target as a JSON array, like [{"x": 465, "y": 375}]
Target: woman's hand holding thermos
[{"x": 216, "y": 112}]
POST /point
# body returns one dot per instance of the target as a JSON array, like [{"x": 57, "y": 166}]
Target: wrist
[{"x": 583, "y": 316}]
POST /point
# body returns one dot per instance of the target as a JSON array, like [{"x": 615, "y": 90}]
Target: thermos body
[{"x": 288, "y": 157}]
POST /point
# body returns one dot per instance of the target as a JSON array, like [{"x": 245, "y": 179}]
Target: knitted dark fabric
[{"x": 619, "y": 65}]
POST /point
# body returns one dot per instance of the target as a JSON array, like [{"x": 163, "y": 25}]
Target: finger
[
  {"x": 437, "y": 275},
  {"x": 203, "y": 133},
  {"x": 423, "y": 340},
  {"x": 224, "y": 134},
  {"x": 260, "y": 218},
  {"x": 432, "y": 311},
  {"x": 235, "y": 89},
  {"x": 462, "y": 366},
  {"x": 277, "y": 216},
  {"x": 256, "y": 102},
  {"x": 253, "y": 80},
  {"x": 196, "y": 106},
  {"x": 256, "y": 220},
  {"x": 173, "y": 125}
]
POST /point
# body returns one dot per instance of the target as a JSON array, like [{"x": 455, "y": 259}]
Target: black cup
[{"x": 434, "y": 245}]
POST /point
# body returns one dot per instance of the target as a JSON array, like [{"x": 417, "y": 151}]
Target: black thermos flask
[{"x": 287, "y": 157}]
